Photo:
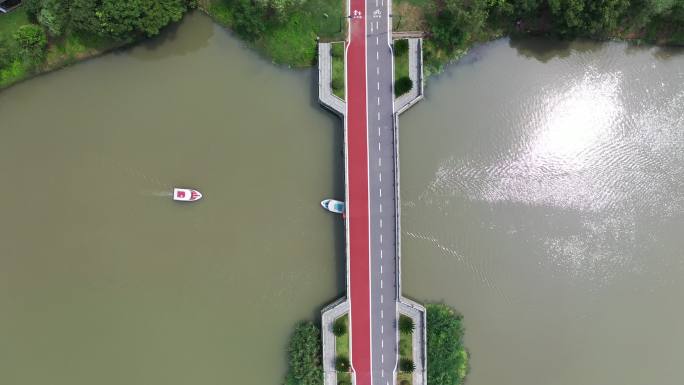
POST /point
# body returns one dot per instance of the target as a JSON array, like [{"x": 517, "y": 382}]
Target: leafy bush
[
  {"x": 342, "y": 363},
  {"x": 406, "y": 324},
  {"x": 31, "y": 40},
  {"x": 446, "y": 355},
  {"x": 402, "y": 85},
  {"x": 339, "y": 327},
  {"x": 304, "y": 356}
]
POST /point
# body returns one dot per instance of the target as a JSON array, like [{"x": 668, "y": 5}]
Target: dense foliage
[
  {"x": 454, "y": 24},
  {"x": 446, "y": 356},
  {"x": 402, "y": 85},
  {"x": 304, "y": 355},
  {"x": 31, "y": 42},
  {"x": 111, "y": 18}
]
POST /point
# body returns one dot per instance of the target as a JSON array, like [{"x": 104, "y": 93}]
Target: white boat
[
  {"x": 333, "y": 206},
  {"x": 186, "y": 195}
]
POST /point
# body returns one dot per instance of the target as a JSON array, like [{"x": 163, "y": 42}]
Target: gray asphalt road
[{"x": 382, "y": 194}]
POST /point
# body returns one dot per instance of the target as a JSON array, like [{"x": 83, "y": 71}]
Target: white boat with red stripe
[{"x": 186, "y": 195}]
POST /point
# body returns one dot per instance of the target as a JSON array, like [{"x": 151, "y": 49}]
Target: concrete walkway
[
  {"x": 325, "y": 93},
  {"x": 405, "y": 101},
  {"x": 417, "y": 313},
  {"x": 328, "y": 316}
]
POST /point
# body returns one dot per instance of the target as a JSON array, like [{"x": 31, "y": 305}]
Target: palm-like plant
[
  {"x": 406, "y": 365},
  {"x": 339, "y": 327},
  {"x": 406, "y": 325}
]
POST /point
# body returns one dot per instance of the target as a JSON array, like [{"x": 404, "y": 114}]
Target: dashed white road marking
[
  {"x": 382, "y": 297},
  {"x": 381, "y": 283},
  {"x": 382, "y": 313},
  {"x": 378, "y": 146},
  {"x": 381, "y": 227},
  {"x": 380, "y": 162},
  {"x": 378, "y": 115},
  {"x": 380, "y": 242},
  {"x": 380, "y": 253},
  {"x": 380, "y": 207},
  {"x": 382, "y": 358},
  {"x": 382, "y": 329},
  {"x": 378, "y": 128},
  {"x": 382, "y": 344},
  {"x": 380, "y": 193},
  {"x": 377, "y": 55},
  {"x": 371, "y": 27},
  {"x": 377, "y": 39},
  {"x": 378, "y": 86},
  {"x": 376, "y": 24},
  {"x": 380, "y": 177},
  {"x": 382, "y": 373},
  {"x": 377, "y": 70}
]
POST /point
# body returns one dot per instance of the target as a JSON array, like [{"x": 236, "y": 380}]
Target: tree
[
  {"x": 32, "y": 41},
  {"x": 53, "y": 15},
  {"x": 248, "y": 19},
  {"x": 342, "y": 363},
  {"x": 339, "y": 327},
  {"x": 406, "y": 365},
  {"x": 447, "y": 358},
  {"x": 587, "y": 17},
  {"x": 453, "y": 22},
  {"x": 406, "y": 325},
  {"x": 304, "y": 355}
]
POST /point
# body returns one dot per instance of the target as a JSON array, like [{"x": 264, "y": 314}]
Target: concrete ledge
[
  {"x": 417, "y": 312},
  {"x": 328, "y": 316},
  {"x": 405, "y": 101},
  {"x": 325, "y": 94}
]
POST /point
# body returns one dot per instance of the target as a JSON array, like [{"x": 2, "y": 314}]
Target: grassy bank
[
  {"x": 337, "y": 53},
  {"x": 287, "y": 36}
]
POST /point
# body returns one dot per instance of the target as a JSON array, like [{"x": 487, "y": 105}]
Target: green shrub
[
  {"x": 402, "y": 85},
  {"x": 340, "y": 327},
  {"x": 400, "y": 47},
  {"x": 304, "y": 356},
  {"x": 406, "y": 324},
  {"x": 406, "y": 365},
  {"x": 342, "y": 363},
  {"x": 32, "y": 42},
  {"x": 446, "y": 355}
]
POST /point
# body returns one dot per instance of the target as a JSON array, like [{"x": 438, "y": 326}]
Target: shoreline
[{"x": 437, "y": 67}]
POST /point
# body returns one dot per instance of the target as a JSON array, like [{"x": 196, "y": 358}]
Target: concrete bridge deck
[{"x": 372, "y": 199}]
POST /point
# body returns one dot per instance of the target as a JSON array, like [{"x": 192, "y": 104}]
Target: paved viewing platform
[
  {"x": 415, "y": 94},
  {"x": 373, "y": 297},
  {"x": 325, "y": 93}
]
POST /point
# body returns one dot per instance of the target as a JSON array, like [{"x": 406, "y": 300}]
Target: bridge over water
[{"x": 372, "y": 218}]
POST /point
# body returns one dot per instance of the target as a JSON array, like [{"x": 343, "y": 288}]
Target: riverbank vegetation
[
  {"x": 446, "y": 356},
  {"x": 304, "y": 356},
  {"x": 285, "y": 30},
  {"x": 337, "y": 82},
  {"x": 42, "y": 35},
  {"x": 452, "y": 26}
]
